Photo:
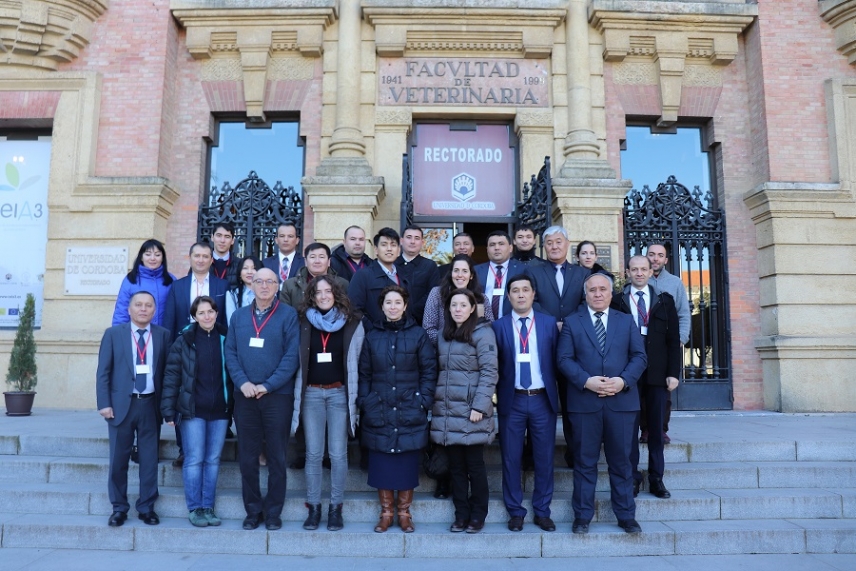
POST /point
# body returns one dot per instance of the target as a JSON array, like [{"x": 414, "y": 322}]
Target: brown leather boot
[
  {"x": 386, "y": 498},
  {"x": 405, "y": 522}
]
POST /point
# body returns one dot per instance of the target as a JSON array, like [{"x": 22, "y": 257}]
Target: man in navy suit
[
  {"x": 128, "y": 387},
  {"x": 493, "y": 275},
  {"x": 177, "y": 316},
  {"x": 527, "y": 399},
  {"x": 367, "y": 284},
  {"x": 602, "y": 356},
  {"x": 287, "y": 260},
  {"x": 559, "y": 288}
]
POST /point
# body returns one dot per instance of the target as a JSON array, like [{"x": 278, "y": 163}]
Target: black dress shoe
[
  {"x": 252, "y": 521},
  {"x": 515, "y": 523},
  {"x": 442, "y": 489},
  {"x": 117, "y": 519},
  {"x": 580, "y": 526},
  {"x": 135, "y": 454},
  {"x": 475, "y": 526},
  {"x": 636, "y": 485},
  {"x": 273, "y": 523},
  {"x": 657, "y": 488},
  {"x": 149, "y": 518},
  {"x": 545, "y": 523},
  {"x": 629, "y": 526},
  {"x": 458, "y": 526},
  {"x": 229, "y": 434},
  {"x": 178, "y": 462},
  {"x": 298, "y": 463}
]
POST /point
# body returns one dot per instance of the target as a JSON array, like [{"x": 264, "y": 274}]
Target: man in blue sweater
[{"x": 262, "y": 358}]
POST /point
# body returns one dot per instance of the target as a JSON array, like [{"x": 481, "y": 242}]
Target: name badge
[
  {"x": 498, "y": 292},
  {"x": 143, "y": 370},
  {"x": 257, "y": 342},
  {"x": 325, "y": 357},
  {"x": 524, "y": 358},
  {"x": 643, "y": 330}
]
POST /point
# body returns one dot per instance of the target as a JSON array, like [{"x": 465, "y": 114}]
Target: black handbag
[{"x": 435, "y": 461}]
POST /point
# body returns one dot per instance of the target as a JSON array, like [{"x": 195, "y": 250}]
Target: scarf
[{"x": 333, "y": 320}]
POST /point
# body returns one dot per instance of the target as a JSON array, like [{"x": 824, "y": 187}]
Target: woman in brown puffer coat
[{"x": 462, "y": 417}]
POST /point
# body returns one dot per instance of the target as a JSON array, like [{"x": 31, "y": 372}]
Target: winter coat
[
  {"x": 339, "y": 262},
  {"x": 467, "y": 381},
  {"x": 354, "y": 337},
  {"x": 398, "y": 374},
  {"x": 180, "y": 374},
  {"x": 293, "y": 290},
  {"x": 147, "y": 280}
]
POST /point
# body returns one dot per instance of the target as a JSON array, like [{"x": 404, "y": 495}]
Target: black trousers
[
  {"x": 142, "y": 422},
  {"x": 266, "y": 420},
  {"x": 468, "y": 477},
  {"x": 653, "y": 412}
]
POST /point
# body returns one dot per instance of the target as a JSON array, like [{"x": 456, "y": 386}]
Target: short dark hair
[
  {"x": 286, "y": 224},
  {"x": 580, "y": 247},
  {"x": 388, "y": 233},
  {"x": 413, "y": 227},
  {"x": 316, "y": 246},
  {"x": 451, "y": 331},
  {"x": 462, "y": 235},
  {"x": 519, "y": 278},
  {"x": 500, "y": 233},
  {"x": 142, "y": 291},
  {"x": 525, "y": 227},
  {"x": 627, "y": 263},
  {"x": 392, "y": 289},
  {"x": 349, "y": 228},
  {"x": 202, "y": 244},
  {"x": 202, "y": 299},
  {"x": 227, "y": 226}
]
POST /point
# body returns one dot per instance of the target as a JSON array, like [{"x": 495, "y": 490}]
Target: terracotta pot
[{"x": 19, "y": 403}]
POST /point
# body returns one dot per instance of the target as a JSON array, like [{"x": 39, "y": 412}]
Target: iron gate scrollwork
[
  {"x": 406, "y": 194},
  {"x": 255, "y": 210},
  {"x": 693, "y": 232},
  {"x": 535, "y": 203}
]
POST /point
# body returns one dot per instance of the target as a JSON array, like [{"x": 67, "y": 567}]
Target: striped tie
[
  {"x": 600, "y": 331},
  {"x": 283, "y": 270}
]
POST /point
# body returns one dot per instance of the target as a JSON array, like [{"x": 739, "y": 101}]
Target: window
[{"x": 650, "y": 158}]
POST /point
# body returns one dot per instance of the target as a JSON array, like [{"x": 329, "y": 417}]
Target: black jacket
[
  {"x": 339, "y": 261},
  {"x": 663, "y": 341},
  {"x": 398, "y": 375},
  {"x": 364, "y": 290},
  {"x": 422, "y": 274},
  {"x": 229, "y": 273},
  {"x": 180, "y": 375}
]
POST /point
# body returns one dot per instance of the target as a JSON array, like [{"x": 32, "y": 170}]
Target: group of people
[{"x": 398, "y": 352}]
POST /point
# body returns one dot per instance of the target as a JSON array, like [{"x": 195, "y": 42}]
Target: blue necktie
[
  {"x": 140, "y": 383},
  {"x": 525, "y": 369},
  {"x": 600, "y": 331},
  {"x": 643, "y": 313}
]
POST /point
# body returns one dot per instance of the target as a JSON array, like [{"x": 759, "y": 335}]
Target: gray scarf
[{"x": 333, "y": 320}]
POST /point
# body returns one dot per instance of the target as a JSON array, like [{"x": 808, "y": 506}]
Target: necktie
[
  {"x": 640, "y": 307},
  {"x": 600, "y": 331},
  {"x": 525, "y": 368},
  {"x": 283, "y": 269},
  {"x": 560, "y": 277},
  {"x": 497, "y": 284},
  {"x": 140, "y": 383}
]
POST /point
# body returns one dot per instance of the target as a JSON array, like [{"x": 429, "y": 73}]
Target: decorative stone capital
[
  {"x": 45, "y": 33},
  {"x": 668, "y": 39},
  {"x": 841, "y": 15},
  {"x": 501, "y": 28},
  {"x": 262, "y": 34}
]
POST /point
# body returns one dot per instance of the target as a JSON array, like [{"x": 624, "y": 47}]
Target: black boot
[
  {"x": 314, "y": 517},
  {"x": 334, "y": 518}
]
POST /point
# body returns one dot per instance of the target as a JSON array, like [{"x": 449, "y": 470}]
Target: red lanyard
[
  {"x": 497, "y": 279},
  {"x": 524, "y": 343},
  {"x": 324, "y": 339},
  {"x": 142, "y": 354},
  {"x": 354, "y": 267},
  {"x": 639, "y": 311},
  {"x": 259, "y": 328},
  {"x": 223, "y": 275}
]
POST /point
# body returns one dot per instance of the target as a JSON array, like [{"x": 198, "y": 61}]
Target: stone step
[
  {"x": 83, "y": 499},
  {"x": 434, "y": 540}
]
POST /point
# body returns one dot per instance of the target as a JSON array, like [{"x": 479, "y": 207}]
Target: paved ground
[{"x": 74, "y": 560}]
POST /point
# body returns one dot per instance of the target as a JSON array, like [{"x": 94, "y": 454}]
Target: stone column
[
  {"x": 534, "y": 129},
  {"x": 580, "y": 142},
  {"x": 343, "y": 191}
]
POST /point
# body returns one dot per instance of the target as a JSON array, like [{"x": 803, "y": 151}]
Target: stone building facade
[{"x": 131, "y": 92}]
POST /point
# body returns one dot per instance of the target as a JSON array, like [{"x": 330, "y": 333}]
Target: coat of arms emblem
[{"x": 463, "y": 187}]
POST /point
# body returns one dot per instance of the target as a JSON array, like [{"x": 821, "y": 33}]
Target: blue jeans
[
  {"x": 325, "y": 409},
  {"x": 203, "y": 444}
]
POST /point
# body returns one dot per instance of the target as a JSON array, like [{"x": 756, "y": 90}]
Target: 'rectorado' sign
[{"x": 465, "y": 82}]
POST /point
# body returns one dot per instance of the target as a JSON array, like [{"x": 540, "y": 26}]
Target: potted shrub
[{"x": 22, "y": 376}]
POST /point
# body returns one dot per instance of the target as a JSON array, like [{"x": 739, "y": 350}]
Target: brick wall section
[
  {"x": 28, "y": 104},
  {"x": 798, "y": 53},
  {"x": 129, "y": 48}
]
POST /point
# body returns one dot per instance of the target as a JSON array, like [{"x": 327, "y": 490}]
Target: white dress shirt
[
  {"x": 150, "y": 383},
  {"x": 532, "y": 346}
]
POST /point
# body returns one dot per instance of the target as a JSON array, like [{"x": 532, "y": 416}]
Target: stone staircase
[{"x": 740, "y": 484}]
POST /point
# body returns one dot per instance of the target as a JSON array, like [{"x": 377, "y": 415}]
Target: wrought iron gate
[
  {"x": 535, "y": 203},
  {"x": 693, "y": 232},
  {"x": 255, "y": 210}
]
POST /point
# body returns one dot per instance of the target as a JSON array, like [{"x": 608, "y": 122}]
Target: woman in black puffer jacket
[
  {"x": 398, "y": 373},
  {"x": 197, "y": 396}
]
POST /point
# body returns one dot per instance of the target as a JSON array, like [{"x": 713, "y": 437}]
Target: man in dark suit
[
  {"x": 656, "y": 317},
  {"x": 527, "y": 399},
  {"x": 181, "y": 295},
  {"x": 559, "y": 288},
  {"x": 493, "y": 275},
  {"x": 364, "y": 289},
  {"x": 225, "y": 265},
  {"x": 602, "y": 355},
  {"x": 419, "y": 271},
  {"x": 287, "y": 260},
  {"x": 128, "y": 387}
]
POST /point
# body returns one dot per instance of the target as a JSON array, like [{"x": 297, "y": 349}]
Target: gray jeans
[{"x": 325, "y": 410}]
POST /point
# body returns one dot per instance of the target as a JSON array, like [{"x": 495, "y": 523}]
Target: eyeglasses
[{"x": 265, "y": 282}]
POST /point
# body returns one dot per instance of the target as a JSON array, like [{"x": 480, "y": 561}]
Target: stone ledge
[
  {"x": 841, "y": 15},
  {"x": 799, "y": 200}
]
